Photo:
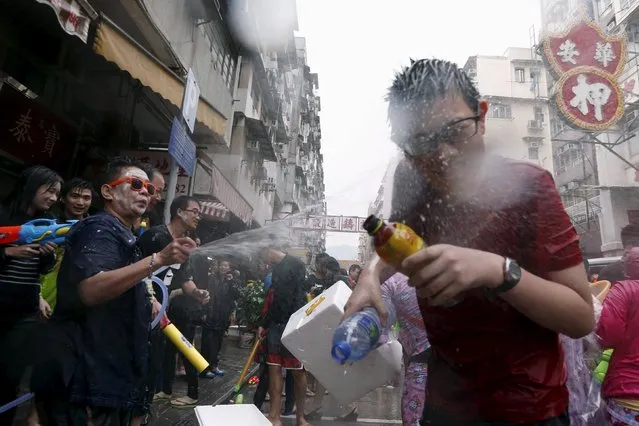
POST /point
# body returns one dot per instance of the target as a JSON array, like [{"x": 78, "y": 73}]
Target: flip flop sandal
[
  {"x": 161, "y": 396},
  {"x": 182, "y": 402}
]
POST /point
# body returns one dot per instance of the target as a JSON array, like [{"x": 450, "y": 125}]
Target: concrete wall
[
  {"x": 505, "y": 136},
  {"x": 193, "y": 47}
]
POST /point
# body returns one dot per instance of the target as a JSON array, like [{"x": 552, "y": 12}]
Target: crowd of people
[
  {"x": 496, "y": 314},
  {"x": 79, "y": 313}
]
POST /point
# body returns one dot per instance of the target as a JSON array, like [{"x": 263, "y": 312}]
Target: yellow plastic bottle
[{"x": 393, "y": 242}]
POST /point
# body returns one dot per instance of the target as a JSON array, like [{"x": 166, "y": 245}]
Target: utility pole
[{"x": 181, "y": 146}]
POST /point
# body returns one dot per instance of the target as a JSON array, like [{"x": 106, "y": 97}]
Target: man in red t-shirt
[{"x": 502, "y": 275}]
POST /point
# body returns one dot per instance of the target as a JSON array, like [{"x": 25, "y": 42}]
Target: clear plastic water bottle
[{"x": 358, "y": 335}]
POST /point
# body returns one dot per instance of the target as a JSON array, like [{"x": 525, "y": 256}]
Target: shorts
[{"x": 276, "y": 353}]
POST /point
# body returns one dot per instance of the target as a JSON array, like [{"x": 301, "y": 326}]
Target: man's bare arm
[
  {"x": 108, "y": 285},
  {"x": 562, "y": 304}
]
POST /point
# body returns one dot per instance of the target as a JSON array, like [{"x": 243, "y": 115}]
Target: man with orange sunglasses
[{"x": 97, "y": 345}]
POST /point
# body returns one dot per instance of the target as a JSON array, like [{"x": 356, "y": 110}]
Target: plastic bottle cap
[
  {"x": 341, "y": 352},
  {"x": 372, "y": 224}
]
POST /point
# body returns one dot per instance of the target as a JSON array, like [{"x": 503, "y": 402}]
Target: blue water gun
[{"x": 37, "y": 231}]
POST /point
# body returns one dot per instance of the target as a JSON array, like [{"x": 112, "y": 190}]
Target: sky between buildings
[{"x": 356, "y": 45}]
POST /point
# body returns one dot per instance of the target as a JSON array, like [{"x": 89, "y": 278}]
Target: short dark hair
[
  {"x": 76, "y": 183},
  {"x": 353, "y": 267},
  {"x": 425, "y": 81},
  {"x": 116, "y": 166},
  {"x": 630, "y": 235},
  {"x": 332, "y": 265},
  {"x": 181, "y": 203},
  {"x": 149, "y": 170}
]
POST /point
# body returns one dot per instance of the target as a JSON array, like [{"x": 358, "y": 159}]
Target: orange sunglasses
[{"x": 136, "y": 184}]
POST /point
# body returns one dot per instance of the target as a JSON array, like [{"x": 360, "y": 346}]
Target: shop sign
[
  {"x": 32, "y": 134},
  {"x": 160, "y": 161},
  {"x": 191, "y": 101},
  {"x": 72, "y": 18},
  {"x": 181, "y": 147},
  {"x": 587, "y": 62}
]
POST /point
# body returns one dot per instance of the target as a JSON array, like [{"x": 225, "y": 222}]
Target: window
[
  {"x": 538, "y": 113},
  {"x": 520, "y": 75},
  {"x": 533, "y": 153},
  {"x": 500, "y": 111}
]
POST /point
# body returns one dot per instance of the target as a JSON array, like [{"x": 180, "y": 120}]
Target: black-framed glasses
[{"x": 455, "y": 133}]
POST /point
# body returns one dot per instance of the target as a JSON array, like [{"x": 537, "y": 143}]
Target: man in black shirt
[
  {"x": 283, "y": 299},
  {"x": 95, "y": 351},
  {"x": 185, "y": 216},
  {"x": 225, "y": 290}
]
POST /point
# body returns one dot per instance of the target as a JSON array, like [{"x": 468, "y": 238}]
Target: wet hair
[
  {"x": 116, "y": 167},
  {"x": 181, "y": 203},
  {"x": 28, "y": 183},
  {"x": 425, "y": 81},
  {"x": 630, "y": 235},
  {"x": 76, "y": 183}
]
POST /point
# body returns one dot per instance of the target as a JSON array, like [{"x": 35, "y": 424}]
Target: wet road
[{"x": 380, "y": 407}]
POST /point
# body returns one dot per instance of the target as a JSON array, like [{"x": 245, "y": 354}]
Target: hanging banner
[
  {"x": 587, "y": 63},
  {"x": 72, "y": 18},
  {"x": 328, "y": 223}
]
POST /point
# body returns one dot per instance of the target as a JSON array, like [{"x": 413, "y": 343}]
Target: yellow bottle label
[{"x": 403, "y": 243}]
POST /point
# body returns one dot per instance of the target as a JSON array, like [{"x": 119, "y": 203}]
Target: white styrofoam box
[
  {"x": 236, "y": 415},
  {"x": 309, "y": 337}
]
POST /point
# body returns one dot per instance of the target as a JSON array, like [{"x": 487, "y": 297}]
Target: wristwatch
[{"x": 512, "y": 276}]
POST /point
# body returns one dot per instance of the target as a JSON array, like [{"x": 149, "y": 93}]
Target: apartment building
[
  {"x": 596, "y": 172},
  {"x": 381, "y": 207},
  {"x": 515, "y": 86}
]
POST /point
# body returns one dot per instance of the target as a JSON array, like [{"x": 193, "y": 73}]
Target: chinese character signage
[
  {"x": 30, "y": 133},
  {"x": 586, "y": 61},
  {"x": 349, "y": 223},
  {"x": 329, "y": 223},
  {"x": 160, "y": 161}
]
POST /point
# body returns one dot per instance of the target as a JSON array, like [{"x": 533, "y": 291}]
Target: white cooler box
[
  {"x": 236, "y": 415},
  {"x": 309, "y": 336}
]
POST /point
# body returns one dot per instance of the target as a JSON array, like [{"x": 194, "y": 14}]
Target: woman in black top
[{"x": 36, "y": 190}]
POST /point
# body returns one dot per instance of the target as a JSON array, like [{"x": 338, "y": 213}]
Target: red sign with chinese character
[
  {"x": 585, "y": 44},
  {"x": 589, "y": 99},
  {"x": 31, "y": 133},
  {"x": 586, "y": 62}
]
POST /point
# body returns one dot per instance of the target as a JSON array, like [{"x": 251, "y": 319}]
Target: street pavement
[{"x": 380, "y": 407}]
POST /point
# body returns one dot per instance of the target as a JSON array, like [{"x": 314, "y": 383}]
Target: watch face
[{"x": 514, "y": 272}]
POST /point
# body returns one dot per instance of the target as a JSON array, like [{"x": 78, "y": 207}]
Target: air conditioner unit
[{"x": 535, "y": 124}]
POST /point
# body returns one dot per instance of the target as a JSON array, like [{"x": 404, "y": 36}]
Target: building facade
[
  {"x": 596, "y": 172},
  {"x": 381, "y": 207},
  {"x": 110, "y": 80},
  {"x": 515, "y": 86}
]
